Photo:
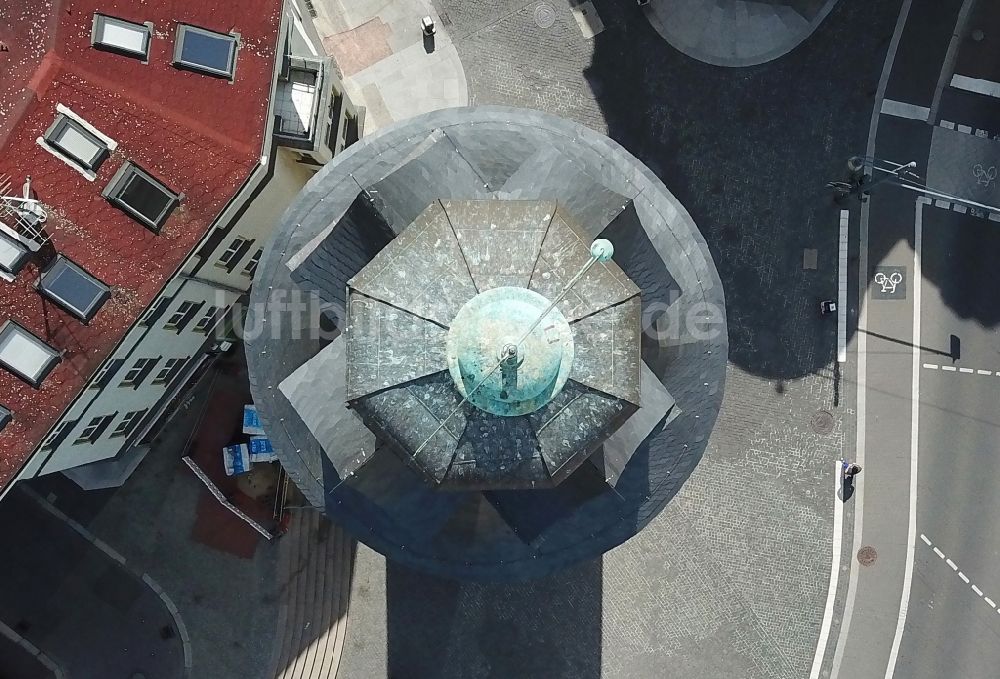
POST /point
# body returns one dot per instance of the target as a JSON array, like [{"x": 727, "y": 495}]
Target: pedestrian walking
[{"x": 851, "y": 469}]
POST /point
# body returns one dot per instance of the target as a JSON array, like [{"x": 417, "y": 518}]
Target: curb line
[
  {"x": 109, "y": 551},
  {"x": 45, "y": 660}
]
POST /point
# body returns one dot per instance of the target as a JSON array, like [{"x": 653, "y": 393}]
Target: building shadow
[
  {"x": 444, "y": 629},
  {"x": 747, "y": 151}
]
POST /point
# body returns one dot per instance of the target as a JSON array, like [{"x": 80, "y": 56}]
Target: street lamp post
[
  {"x": 901, "y": 175},
  {"x": 860, "y": 182}
]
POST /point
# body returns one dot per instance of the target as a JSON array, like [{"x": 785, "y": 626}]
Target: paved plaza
[
  {"x": 731, "y": 579},
  {"x": 762, "y": 564}
]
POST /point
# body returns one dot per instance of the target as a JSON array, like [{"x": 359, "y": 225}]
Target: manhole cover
[
  {"x": 867, "y": 555},
  {"x": 545, "y": 15},
  {"x": 822, "y": 422}
]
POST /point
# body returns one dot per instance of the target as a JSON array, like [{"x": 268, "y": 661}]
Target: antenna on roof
[{"x": 22, "y": 217}]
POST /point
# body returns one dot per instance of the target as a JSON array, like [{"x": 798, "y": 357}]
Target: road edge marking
[
  {"x": 845, "y": 222},
  {"x": 852, "y": 582},
  {"x": 911, "y": 538},
  {"x": 831, "y": 592}
]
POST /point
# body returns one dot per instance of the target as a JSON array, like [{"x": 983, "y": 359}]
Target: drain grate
[
  {"x": 822, "y": 422},
  {"x": 867, "y": 555},
  {"x": 545, "y": 15}
]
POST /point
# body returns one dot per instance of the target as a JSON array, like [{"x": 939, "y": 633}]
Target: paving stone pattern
[{"x": 730, "y": 580}]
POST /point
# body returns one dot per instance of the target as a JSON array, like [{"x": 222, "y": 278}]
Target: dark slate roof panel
[
  {"x": 344, "y": 438},
  {"x": 435, "y": 169},
  {"x": 500, "y": 239},
  {"x": 495, "y": 150},
  {"x": 532, "y": 513},
  {"x": 387, "y": 346},
  {"x": 564, "y": 253},
  {"x": 389, "y": 485},
  {"x": 640, "y": 261},
  {"x": 550, "y": 173},
  {"x": 358, "y": 236},
  {"x": 473, "y": 520},
  {"x": 606, "y": 350},
  {"x": 657, "y": 406},
  {"x": 421, "y": 271}
]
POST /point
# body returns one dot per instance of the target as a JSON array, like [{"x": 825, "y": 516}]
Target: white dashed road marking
[
  {"x": 965, "y": 578},
  {"x": 967, "y": 371}
]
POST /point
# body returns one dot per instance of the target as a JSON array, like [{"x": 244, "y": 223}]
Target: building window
[
  {"x": 234, "y": 253},
  {"x": 13, "y": 254},
  {"x": 137, "y": 373},
  {"x": 141, "y": 196},
  {"x": 154, "y": 311},
  {"x": 128, "y": 424},
  {"x": 106, "y": 373},
  {"x": 205, "y": 51},
  {"x": 251, "y": 267},
  {"x": 169, "y": 370},
  {"x": 72, "y": 288},
  {"x": 180, "y": 318},
  {"x": 209, "y": 320},
  {"x": 94, "y": 429},
  {"x": 25, "y": 355},
  {"x": 121, "y": 36},
  {"x": 57, "y": 435},
  {"x": 73, "y": 140},
  {"x": 5, "y": 417}
]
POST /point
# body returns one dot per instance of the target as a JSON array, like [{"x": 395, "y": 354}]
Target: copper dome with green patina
[{"x": 457, "y": 358}]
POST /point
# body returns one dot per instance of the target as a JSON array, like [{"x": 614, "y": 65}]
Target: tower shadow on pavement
[{"x": 550, "y": 627}]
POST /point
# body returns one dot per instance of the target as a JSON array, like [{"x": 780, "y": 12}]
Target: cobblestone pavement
[{"x": 730, "y": 580}]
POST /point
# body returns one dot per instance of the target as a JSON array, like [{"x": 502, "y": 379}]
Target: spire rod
[{"x": 601, "y": 250}]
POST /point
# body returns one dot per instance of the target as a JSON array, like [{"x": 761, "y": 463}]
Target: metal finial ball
[{"x": 602, "y": 250}]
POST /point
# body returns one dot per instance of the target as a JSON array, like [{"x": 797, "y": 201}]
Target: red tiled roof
[{"x": 199, "y": 135}]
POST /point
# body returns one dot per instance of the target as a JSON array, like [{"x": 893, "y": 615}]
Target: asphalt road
[{"x": 952, "y": 627}]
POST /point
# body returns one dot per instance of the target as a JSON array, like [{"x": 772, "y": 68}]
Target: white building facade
[{"x": 101, "y": 438}]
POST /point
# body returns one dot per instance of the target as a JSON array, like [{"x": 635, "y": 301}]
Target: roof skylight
[
  {"x": 76, "y": 142},
  {"x": 121, "y": 36},
  {"x": 25, "y": 355},
  {"x": 73, "y": 288},
  {"x": 140, "y": 195},
  {"x": 205, "y": 51}
]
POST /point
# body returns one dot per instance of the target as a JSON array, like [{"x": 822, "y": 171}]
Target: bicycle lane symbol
[{"x": 889, "y": 282}]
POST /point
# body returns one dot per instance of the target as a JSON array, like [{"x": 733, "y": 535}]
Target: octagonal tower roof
[{"x": 450, "y": 357}]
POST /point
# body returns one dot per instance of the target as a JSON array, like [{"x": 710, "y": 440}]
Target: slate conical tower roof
[{"x": 408, "y": 264}]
